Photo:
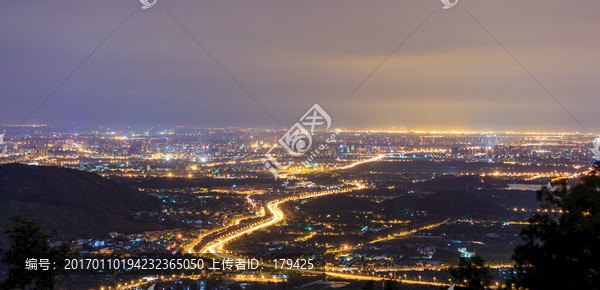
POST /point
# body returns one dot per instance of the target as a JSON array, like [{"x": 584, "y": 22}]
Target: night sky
[{"x": 448, "y": 73}]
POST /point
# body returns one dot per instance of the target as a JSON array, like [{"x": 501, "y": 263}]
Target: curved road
[{"x": 273, "y": 206}]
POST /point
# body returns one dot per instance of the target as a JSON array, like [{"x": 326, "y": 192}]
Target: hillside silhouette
[{"x": 71, "y": 201}]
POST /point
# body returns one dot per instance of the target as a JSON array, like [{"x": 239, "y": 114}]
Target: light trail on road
[
  {"x": 391, "y": 237},
  {"x": 190, "y": 248},
  {"x": 213, "y": 247},
  {"x": 278, "y": 215},
  {"x": 376, "y": 158}
]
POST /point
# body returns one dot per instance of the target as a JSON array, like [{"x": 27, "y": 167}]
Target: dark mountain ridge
[{"x": 72, "y": 201}]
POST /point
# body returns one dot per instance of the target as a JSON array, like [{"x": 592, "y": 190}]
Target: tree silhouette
[
  {"x": 562, "y": 245},
  {"x": 471, "y": 273},
  {"x": 29, "y": 241}
]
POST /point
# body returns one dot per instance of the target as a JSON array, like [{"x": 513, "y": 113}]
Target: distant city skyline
[
  {"x": 261, "y": 64},
  {"x": 130, "y": 129}
]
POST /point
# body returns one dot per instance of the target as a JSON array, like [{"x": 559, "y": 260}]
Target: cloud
[{"x": 293, "y": 54}]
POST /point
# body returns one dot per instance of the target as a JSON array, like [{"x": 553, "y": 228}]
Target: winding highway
[{"x": 215, "y": 247}]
